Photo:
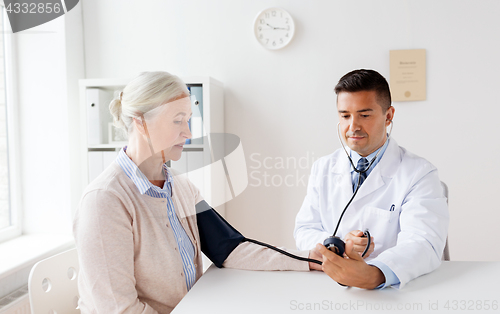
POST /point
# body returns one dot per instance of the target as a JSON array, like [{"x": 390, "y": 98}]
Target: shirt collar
[
  {"x": 140, "y": 180},
  {"x": 356, "y": 157}
]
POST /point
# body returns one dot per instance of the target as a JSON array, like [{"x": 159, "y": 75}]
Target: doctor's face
[{"x": 363, "y": 122}]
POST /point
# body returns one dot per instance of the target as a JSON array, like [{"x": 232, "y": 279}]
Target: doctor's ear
[{"x": 389, "y": 116}]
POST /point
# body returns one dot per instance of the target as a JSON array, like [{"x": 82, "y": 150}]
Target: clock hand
[{"x": 270, "y": 26}]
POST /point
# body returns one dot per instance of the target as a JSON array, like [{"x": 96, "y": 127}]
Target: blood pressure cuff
[{"x": 217, "y": 237}]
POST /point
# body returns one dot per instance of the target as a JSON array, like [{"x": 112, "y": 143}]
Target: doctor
[{"x": 400, "y": 199}]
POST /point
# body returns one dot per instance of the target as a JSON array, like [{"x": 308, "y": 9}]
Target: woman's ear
[{"x": 139, "y": 126}]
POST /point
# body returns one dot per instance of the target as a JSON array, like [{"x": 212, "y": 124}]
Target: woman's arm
[
  {"x": 252, "y": 256},
  {"x": 219, "y": 236},
  {"x": 104, "y": 240}
]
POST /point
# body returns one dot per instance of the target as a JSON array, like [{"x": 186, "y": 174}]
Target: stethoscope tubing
[{"x": 358, "y": 171}]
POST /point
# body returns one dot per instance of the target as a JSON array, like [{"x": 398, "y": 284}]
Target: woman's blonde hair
[{"x": 144, "y": 93}]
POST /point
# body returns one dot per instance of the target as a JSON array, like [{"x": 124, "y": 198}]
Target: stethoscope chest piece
[{"x": 335, "y": 244}]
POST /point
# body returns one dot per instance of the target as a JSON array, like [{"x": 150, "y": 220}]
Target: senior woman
[{"x": 135, "y": 228}]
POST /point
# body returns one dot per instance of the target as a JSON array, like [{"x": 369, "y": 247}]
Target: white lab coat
[{"x": 410, "y": 239}]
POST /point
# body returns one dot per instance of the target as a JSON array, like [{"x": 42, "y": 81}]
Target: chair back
[
  {"x": 446, "y": 251},
  {"x": 53, "y": 284}
]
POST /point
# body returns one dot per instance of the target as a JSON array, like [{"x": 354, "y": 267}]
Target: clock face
[{"x": 274, "y": 28}]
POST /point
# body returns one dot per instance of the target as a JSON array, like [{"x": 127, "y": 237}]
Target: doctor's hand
[
  {"x": 315, "y": 254},
  {"x": 359, "y": 242},
  {"x": 352, "y": 270}
]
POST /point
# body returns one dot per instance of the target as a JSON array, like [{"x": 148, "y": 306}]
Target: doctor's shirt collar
[{"x": 356, "y": 157}]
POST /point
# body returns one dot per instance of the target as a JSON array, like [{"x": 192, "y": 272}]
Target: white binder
[{"x": 98, "y": 116}]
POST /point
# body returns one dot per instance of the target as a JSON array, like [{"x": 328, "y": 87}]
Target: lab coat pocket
[
  {"x": 376, "y": 214},
  {"x": 382, "y": 226}
]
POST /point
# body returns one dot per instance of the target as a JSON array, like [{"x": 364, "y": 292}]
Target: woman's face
[{"x": 168, "y": 128}]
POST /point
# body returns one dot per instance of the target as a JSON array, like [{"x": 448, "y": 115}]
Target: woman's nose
[{"x": 186, "y": 131}]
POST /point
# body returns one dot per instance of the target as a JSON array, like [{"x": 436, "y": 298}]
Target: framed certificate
[{"x": 408, "y": 75}]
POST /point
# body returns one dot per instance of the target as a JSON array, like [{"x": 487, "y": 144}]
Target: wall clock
[{"x": 274, "y": 28}]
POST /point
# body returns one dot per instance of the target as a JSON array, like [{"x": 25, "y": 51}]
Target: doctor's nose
[{"x": 354, "y": 125}]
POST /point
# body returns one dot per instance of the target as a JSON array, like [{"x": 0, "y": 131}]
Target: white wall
[{"x": 282, "y": 105}]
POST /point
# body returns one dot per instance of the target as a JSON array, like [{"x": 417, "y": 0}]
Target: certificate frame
[{"x": 408, "y": 75}]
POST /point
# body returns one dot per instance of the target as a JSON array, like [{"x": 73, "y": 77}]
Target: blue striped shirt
[{"x": 186, "y": 248}]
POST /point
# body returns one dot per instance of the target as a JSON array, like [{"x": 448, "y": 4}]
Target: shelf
[
  {"x": 115, "y": 146},
  {"x": 107, "y": 146}
]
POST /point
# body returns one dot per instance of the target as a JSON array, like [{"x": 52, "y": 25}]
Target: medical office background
[{"x": 280, "y": 103}]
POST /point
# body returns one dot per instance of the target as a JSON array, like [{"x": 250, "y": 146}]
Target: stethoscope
[{"x": 333, "y": 242}]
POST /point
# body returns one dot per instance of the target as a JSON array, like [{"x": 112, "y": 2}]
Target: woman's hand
[{"x": 315, "y": 254}]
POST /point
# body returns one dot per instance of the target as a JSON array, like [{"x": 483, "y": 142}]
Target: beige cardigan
[{"x": 129, "y": 260}]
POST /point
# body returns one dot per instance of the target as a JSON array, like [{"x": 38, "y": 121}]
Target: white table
[{"x": 455, "y": 287}]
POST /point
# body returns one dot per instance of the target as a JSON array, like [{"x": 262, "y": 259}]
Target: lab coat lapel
[
  {"x": 382, "y": 173},
  {"x": 372, "y": 183},
  {"x": 342, "y": 170}
]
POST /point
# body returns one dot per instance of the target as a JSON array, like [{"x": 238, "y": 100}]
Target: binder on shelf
[
  {"x": 196, "y": 130},
  {"x": 197, "y": 117},
  {"x": 188, "y": 141},
  {"x": 197, "y": 91},
  {"x": 98, "y": 116}
]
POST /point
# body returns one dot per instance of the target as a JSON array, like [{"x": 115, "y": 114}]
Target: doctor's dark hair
[{"x": 366, "y": 80}]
